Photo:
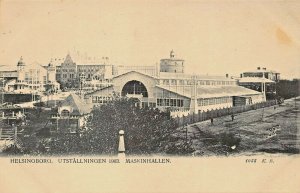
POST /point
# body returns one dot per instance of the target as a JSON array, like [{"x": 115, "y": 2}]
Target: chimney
[
  {"x": 258, "y": 68},
  {"x": 226, "y": 75}
]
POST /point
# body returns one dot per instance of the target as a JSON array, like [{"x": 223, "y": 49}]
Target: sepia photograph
[{"x": 93, "y": 90}]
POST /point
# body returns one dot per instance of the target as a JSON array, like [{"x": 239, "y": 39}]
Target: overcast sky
[{"x": 213, "y": 38}]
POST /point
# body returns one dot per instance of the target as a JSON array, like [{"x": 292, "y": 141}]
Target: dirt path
[{"x": 272, "y": 130}]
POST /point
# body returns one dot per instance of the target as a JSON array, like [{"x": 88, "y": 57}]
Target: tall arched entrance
[{"x": 134, "y": 88}]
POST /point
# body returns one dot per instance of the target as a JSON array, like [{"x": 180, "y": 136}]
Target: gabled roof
[
  {"x": 210, "y": 92},
  {"x": 68, "y": 58},
  {"x": 175, "y": 91},
  {"x": 133, "y": 71},
  {"x": 78, "y": 105}
]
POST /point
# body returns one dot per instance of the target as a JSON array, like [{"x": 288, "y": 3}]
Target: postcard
[{"x": 149, "y": 96}]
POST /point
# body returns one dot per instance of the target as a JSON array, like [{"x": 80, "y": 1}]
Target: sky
[{"x": 214, "y": 37}]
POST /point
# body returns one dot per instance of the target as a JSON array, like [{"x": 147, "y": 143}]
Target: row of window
[
  {"x": 70, "y": 76},
  {"x": 101, "y": 99},
  {"x": 86, "y": 75},
  {"x": 172, "y": 63},
  {"x": 214, "y": 101},
  {"x": 199, "y": 82},
  {"x": 146, "y": 104},
  {"x": 90, "y": 69},
  {"x": 170, "y": 102},
  {"x": 34, "y": 79},
  {"x": 80, "y": 69},
  {"x": 34, "y": 82},
  {"x": 66, "y": 70}
]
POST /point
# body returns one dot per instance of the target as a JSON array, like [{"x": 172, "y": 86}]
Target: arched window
[
  {"x": 65, "y": 113},
  {"x": 134, "y": 87}
]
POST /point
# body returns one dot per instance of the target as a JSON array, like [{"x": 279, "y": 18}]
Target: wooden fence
[{"x": 203, "y": 116}]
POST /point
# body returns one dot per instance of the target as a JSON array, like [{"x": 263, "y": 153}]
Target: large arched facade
[
  {"x": 133, "y": 88},
  {"x": 149, "y": 83}
]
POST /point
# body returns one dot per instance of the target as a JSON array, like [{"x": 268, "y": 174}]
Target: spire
[
  {"x": 172, "y": 54},
  {"x": 21, "y": 62},
  {"x": 68, "y": 59}
]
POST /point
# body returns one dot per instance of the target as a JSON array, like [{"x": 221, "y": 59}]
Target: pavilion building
[{"x": 170, "y": 88}]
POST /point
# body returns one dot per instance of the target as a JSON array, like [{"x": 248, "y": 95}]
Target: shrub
[{"x": 229, "y": 140}]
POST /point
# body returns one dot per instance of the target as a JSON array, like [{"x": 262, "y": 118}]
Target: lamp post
[{"x": 121, "y": 149}]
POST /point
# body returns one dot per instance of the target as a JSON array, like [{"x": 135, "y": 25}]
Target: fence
[{"x": 203, "y": 116}]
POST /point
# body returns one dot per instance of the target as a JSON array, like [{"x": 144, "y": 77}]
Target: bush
[
  {"x": 11, "y": 150},
  {"x": 229, "y": 140},
  {"x": 147, "y": 131},
  {"x": 44, "y": 132}
]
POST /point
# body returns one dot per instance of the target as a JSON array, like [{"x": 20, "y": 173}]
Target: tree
[
  {"x": 147, "y": 131},
  {"x": 229, "y": 140}
]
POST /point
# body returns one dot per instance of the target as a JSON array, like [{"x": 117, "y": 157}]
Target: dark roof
[
  {"x": 78, "y": 105},
  {"x": 68, "y": 60}
]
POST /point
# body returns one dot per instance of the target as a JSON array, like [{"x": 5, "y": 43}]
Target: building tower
[
  {"x": 21, "y": 64},
  {"x": 20, "y": 70},
  {"x": 51, "y": 74},
  {"x": 172, "y": 64}
]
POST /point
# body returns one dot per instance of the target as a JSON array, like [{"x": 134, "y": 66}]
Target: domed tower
[
  {"x": 172, "y": 54},
  {"x": 21, "y": 73},
  {"x": 51, "y": 72},
  {"x": 172, "y": 64},
  {"x": 21, "y": 64}
]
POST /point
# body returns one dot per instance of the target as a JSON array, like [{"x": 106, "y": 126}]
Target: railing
[
  {"x": 10, "y": 136},
  {"x": 203, "y": 116},
  {"x": 6, "y": 134}
]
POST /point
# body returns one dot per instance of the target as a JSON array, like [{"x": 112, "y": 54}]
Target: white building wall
[
  {"x": 149, "y": 82},
  {"x": 214, "y": 104}
]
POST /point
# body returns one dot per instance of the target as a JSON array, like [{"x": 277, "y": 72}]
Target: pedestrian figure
[
  {"x": 211, "y": 121},
  {"x": 232, "y": 117}
]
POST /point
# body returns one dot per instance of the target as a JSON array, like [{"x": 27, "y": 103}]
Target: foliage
[
  {"x": 147, "y": 131},
  {"x": 229, "y": 140},
  {"x": 74, "y": 83},
  {"x": 11, "y": 150},
  {"x": 180, "y": 148},
  {"x": 288, "y": 89}
]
